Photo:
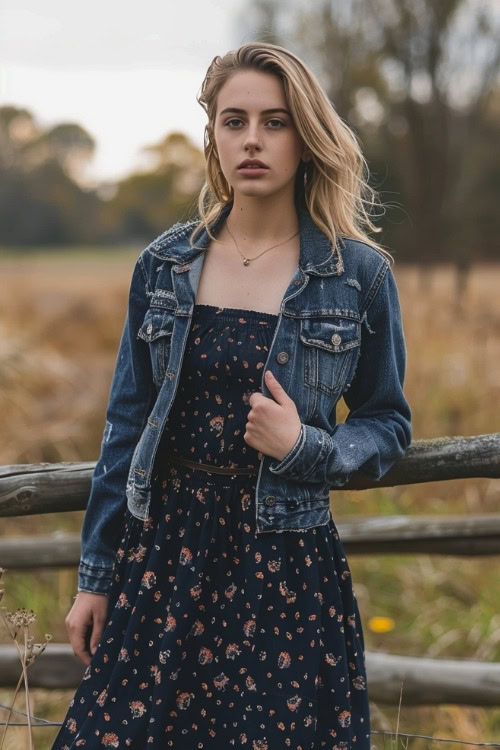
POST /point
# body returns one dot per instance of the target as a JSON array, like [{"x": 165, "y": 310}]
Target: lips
[{"x": 253, "y": 164}]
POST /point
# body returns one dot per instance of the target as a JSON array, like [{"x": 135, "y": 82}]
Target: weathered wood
[
  {"x": 422, "y": 534},
  {"x": 425, "y": 681},
  {"x": 27, "y": 489},
  {"x": 370, "y": 535},
  {"x": 441, "y": 459},
  {"x": 57, "y": 550},
  {"x": 56, "y": 669},
  {"x": 432, "y": 681}
]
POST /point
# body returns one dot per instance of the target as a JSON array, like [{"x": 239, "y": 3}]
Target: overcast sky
[{"x": 126, "y": 71}]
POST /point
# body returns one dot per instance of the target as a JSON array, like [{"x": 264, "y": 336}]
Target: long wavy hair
[{"x": 333, "y": 185}]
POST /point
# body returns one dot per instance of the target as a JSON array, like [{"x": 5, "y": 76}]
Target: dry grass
[
  {"x": 60, "y": 322},
  {"x": 17, "y": 626}
]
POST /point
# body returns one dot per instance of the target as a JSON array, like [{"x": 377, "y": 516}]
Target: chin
[{"x": 256, "y": 191}]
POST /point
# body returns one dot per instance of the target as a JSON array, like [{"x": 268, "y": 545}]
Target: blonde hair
[{"x": 335, "y": 190}]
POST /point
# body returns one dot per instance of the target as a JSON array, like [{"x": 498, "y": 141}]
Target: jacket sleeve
[
  {"x": 377, "y": 430},
  {"x": 131, "y": 397}
]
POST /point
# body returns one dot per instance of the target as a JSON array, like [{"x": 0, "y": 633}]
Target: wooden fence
[{"x": 27, "y": 489}]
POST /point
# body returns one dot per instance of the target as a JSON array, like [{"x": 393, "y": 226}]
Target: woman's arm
[
  {"x": 377, "y": 430},
  {"x": 131, "y": 398}
]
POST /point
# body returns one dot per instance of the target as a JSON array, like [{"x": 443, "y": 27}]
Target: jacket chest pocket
[
  {"x": 331, "y": 348},
  {"x": 156, "y": 329}
]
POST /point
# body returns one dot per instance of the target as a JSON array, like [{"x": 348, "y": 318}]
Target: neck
[{"x": 263, "y": 221}]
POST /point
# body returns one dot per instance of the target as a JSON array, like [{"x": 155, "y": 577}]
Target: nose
[{"x": 252, "y": 139}]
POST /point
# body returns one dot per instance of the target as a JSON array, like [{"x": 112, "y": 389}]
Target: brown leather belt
[{"x": 172, "y": 458}]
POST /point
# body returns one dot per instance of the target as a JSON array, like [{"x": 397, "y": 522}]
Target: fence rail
[
  {"x": 377, "y": 535},
  {"x": 425, "y": 681},
  {"x": 27, "y": 489}
]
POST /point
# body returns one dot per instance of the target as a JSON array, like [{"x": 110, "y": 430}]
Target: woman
[{"x": 215, "y": 601}]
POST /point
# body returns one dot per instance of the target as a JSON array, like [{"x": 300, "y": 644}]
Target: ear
[{"x": 306, "y": 155}]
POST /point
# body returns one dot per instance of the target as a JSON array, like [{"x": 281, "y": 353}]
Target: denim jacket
[{"x": 339, "y": 333}]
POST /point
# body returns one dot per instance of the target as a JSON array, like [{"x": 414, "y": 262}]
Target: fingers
[
  {"x": 255, "y": 397},
  {"x": 98, "y": 627},
  {"x": 77, "y": 631},
  {"x": 87, "y": 614},
  {"x": 277, "y": 389}
]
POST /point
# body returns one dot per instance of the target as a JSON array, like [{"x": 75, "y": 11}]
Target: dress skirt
[{"x": 217, "y": 636}]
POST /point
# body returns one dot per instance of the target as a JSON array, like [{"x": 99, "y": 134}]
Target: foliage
[
  {"x": 44, "y": 197},
  {"x": 18, "y": 625},
  {"x": 418, "y": 82}
]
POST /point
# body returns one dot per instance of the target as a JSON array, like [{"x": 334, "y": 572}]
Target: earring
[{"x": 308, "y": 171}]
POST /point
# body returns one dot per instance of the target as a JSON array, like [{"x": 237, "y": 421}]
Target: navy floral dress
[{"x": 216, "y": 636}]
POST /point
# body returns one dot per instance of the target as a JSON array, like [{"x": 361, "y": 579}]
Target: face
[{"x": 253, "y": 122}]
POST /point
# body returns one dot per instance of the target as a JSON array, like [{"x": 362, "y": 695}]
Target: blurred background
[{"x": 101, "y": 150}]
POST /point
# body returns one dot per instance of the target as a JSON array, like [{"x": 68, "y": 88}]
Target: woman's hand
[
  {"x": 273, "y": 424},
  {"x": 85, "y": 623}
]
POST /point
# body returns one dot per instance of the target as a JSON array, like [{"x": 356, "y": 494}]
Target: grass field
[{"x": 61, "y": 316}]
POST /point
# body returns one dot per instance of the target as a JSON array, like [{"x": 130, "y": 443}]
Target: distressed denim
[{"x": 339, "y": 333}]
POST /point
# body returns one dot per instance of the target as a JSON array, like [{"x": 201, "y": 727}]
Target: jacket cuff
[
  {"x": 303, "y": 456},
  {"x": 280, "y": 466},
  {"x": 94, "y": 580},
  {"x": 312, "y": 460}
]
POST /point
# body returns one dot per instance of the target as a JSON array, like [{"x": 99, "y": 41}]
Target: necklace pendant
[{"x": 246, "y": 262}]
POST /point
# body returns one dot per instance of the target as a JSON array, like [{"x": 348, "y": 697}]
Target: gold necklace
[{"x": 246, "y": 261}]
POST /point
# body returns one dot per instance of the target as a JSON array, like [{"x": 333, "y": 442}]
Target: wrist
[
  {"x": 280, "y": 462},
  {"x": 84, "y": 591}
]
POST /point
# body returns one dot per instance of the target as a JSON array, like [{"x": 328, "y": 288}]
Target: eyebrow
[{"x": 264, "y": 111}]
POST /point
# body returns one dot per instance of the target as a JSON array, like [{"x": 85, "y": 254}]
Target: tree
[
  {"x": 40, "y": 199},
  {"x": 148, "y": 202},
  {"x": 415, "y": 78}
]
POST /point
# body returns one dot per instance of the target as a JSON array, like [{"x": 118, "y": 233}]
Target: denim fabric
[{"x": 339, "y": 333}]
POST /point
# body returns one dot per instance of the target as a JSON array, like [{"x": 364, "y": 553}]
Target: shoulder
[
  {"x": 366, "y": 264},
  {"x": 171, "y": 244},
  {"x": 361, "y": 255},
  {"x": 171, "y": 238}
]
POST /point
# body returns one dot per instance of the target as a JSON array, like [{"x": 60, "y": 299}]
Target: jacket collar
[{"x": 316, "y": 253}]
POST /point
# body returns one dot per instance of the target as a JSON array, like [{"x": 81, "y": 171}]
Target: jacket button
[
  {"x": 336, "y": 339},
  {"x": 282, "y": 357},
  {"x": 270, "y": 500}
]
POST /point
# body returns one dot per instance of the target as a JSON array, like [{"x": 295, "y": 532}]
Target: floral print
[{"x": 216, "y": 636}]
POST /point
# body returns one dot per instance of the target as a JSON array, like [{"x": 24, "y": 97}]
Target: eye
[{"x": 274, "y": 119}]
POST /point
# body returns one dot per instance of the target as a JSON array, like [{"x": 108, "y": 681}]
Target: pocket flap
[
  {"x": 334, "y": 334},
  {"x": 156, "y": 323}
]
